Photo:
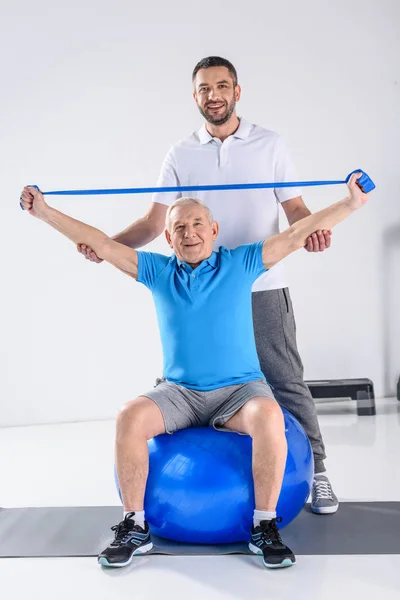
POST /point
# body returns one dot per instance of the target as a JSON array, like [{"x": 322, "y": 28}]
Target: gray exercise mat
[{"x": 357, "y": 528}]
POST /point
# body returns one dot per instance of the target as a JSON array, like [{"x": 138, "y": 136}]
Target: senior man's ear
[
  {"x": 215, "y": 230},
  {"x": 168, "y": 237}
]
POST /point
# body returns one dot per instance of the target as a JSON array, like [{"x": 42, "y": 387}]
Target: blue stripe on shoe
[{"x": 285, "y": 563}]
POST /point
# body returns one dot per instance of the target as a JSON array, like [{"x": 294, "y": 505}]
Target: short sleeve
[
  {"x": 284, "y": 171},
  {"x": 150, "y": 266},
  {"x": 168, "y": 178},
  {"x": 249, "y": 257}
]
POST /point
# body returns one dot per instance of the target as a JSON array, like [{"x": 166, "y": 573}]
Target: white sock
[
  {"x": 323, "y": 474},
  {"x": 262, "y": 515},
  {"x": 138, "y": 517}
]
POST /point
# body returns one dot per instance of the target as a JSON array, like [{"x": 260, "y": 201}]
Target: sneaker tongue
[
  {"x": 265, "y": 523},
  {"x": 271, "y": 530},
  {"x": 129, "y": 515}
]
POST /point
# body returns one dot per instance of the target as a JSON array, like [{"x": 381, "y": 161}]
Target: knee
[
  {"x": 133, "y": 418},
  {"x": 265, "y": 414}
]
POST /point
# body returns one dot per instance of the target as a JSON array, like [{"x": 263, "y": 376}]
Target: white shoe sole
[
  {"x": 142, "y": 550},
  {"x": 287, "y": 562},
  {"x": 324, "y": 510}
]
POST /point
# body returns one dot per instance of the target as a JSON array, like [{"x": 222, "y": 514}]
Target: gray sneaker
[{"x": 323, "y": 498}]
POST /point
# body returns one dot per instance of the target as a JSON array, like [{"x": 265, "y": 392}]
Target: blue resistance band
[{"x": 364, "y": 182}]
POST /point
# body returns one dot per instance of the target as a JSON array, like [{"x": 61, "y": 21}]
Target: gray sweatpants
[{"x": 275, "y": 333}]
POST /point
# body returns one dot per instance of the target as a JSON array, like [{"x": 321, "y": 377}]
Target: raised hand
[
  {"x": 32, "y": 200},
  {"x": 356, "y": 198}
]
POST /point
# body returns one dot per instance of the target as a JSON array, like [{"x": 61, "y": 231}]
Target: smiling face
[
  {"x": 190, "y": 233},
  {"x": 216, "y": 94}
]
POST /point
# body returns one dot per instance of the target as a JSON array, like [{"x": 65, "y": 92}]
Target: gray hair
[{"x": 184, "y": 202}]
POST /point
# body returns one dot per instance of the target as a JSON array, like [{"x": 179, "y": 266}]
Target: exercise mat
[{"x": 357, "y": 528}]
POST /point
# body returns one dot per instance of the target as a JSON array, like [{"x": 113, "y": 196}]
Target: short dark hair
[{"x": 215, "y": 61}]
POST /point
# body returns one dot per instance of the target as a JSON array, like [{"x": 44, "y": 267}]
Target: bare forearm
[
  {"x": 326, "y": 218},
  {"x": 106, "y": 248},
  {"x": 76, "y": 231},
  {"x": 300, "y": 213},
  {"x": 138, "y": 234},
  {"x": 279, "y": 246}
]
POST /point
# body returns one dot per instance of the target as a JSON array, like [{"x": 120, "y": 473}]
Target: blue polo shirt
[{"x": 205, "y": 315}]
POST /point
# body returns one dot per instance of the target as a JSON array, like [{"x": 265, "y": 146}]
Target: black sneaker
[
  {"x": 130, "y": 539},
  {"x": 266, "y": 540}
]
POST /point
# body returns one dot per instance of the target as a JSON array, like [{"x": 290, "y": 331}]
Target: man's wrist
[
  {"x": 349, "y": 203},
  {"x": 44, "y": 213}
]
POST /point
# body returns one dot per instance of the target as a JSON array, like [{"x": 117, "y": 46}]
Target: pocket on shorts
[{"x": 286, "y": 298}]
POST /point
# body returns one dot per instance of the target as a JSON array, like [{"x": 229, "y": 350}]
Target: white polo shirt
[{"x": 251, "y": 155}]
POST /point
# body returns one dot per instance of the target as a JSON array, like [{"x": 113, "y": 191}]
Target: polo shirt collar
[
  {"x": 211, "y": 260},
  {"x": 242, "y": 132}
]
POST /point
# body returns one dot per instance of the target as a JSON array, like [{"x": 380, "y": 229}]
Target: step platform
[{"x": 333, "y": 390}]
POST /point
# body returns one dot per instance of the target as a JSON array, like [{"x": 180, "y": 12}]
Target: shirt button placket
[
  {"x": 223, "y": 153},
  {"x": 220, "y": 152},
  {"x": 222, "y": 157},
  {"x": 195, "y": 285}
]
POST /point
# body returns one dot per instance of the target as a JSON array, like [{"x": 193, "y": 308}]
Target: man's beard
[{"x": 219, "y": 120}]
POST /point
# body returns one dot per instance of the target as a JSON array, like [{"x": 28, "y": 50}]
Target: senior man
[
  {"x": 212, "y": 372},
  {"x": 229, "y": 149}
]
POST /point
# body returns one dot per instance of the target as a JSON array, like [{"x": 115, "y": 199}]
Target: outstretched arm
[
  {"x": 279, "y": 246},
  {"x": 295, "y": 209},
  {"x": 141, "y": 232},
  {"x": 147, "y": 228},
  {"x": 120, "y": 256}
]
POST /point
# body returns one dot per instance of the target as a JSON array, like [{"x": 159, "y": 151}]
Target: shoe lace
[
  {"x": 270, "y": 531},
  {"x": 124, "y": 530},
  {"x": 322, "y": 490}
]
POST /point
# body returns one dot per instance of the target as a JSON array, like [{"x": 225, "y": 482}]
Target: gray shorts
[{"x": 182, "y": 407}]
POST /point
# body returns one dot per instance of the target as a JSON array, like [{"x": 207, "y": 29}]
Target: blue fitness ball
[{"x": 200, "y": 485}]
